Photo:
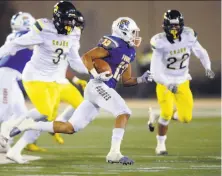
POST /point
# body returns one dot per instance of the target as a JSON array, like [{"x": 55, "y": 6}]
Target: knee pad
[{"x": 163, "y": 121}]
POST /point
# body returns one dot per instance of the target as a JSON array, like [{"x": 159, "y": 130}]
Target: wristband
[{"x": 93, "y": 72}]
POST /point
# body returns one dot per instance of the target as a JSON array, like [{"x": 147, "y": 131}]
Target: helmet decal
[{"x": 123, "y": 24}]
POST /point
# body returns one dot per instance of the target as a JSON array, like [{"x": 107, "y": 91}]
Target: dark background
[{"x": 203, "y": 16}]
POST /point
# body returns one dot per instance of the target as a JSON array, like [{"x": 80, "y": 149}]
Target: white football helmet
[
  {"x": 126, "y": 29},
  {"x": 22, "y": 21}
]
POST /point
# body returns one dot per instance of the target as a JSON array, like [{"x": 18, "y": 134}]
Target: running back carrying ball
[{"x": 102, "y": 66}]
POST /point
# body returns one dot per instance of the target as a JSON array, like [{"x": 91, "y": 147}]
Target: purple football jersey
[{"x": 120, "y": 55}]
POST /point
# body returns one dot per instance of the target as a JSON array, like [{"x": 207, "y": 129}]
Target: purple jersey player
[
  {"x": 120, "y": 55},
  {"x": 118, "y": 51}
]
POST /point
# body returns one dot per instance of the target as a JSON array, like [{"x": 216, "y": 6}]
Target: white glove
[
  {"x": 173, "y": 88},
  {"x": 101, "y": 76},
  {"x": 209, "y": 73},
  {"x": 145, "y": 78}
]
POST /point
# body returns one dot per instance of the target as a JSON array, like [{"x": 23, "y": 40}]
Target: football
[{"x": 101, "y": 66}]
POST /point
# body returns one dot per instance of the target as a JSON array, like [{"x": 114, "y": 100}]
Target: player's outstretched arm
[
  {"x": 202, "y": 54},
  {"x": 128, "y": 80},
  {"x": 25, "y": 41}
]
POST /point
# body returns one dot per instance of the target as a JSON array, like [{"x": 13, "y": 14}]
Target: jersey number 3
[
  {"x": 60, "y": 55},
  {"x": 173, "y": 60}
]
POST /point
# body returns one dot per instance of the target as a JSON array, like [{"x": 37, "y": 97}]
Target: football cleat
[
  {"x": 16, "y": 157},
  {"x": 118, "y": 158},
  {"x": 152, "y": 120},
  {"x": 34, "y": 148},
  {"x": 161, "y": 150},
  {"x": 26, "y": 124},
  {"x": 58, "y": 138},
  {"x": 15, "y": 131}
]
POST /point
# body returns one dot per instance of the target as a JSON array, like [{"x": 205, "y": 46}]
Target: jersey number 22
[{"x": 173, "y": 60}]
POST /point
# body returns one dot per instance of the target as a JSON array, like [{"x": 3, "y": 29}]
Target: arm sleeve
[
  {"x": 202, "y": 54},
  {"x": 25, "y": 41},
  {"x": 76, "y": 62},
  {"x": 156, "y": 61},
  {"x": 8, "y": 39}
]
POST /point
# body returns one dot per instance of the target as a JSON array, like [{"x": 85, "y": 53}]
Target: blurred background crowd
[{"x": 203, "y": 16}]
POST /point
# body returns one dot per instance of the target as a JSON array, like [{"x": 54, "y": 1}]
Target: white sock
[
  {"x": 161, "y": 140},
  {"x": 66, "y": 114},
  {"x": 27, "y": 138},
  {"x": 19, "y": 146},
  {"x": 117, "y": 139},
  {"x": 31, "y": 136}
]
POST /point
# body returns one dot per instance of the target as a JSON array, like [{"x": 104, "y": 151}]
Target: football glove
[
  {"x": 209, "y": 73},
  {"x": 104, "y": 76},
  {"x": 145, "y": 78},
  {"x": 173, "y": 88},
  {"x": 80, "y": 82}
]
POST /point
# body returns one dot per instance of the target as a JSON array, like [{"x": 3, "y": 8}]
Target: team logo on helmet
[{"x": 124, "y": 24}]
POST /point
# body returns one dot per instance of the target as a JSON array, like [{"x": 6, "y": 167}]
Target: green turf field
[{"x": 194, "y": 150}]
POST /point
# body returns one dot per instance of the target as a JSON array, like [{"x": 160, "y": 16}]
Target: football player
[
  {"x": 170, "y": 70},
  {"x": 54, "y": 41},
  {"x": 118, "y": 50},
  {"x": 20, "y": 23}
]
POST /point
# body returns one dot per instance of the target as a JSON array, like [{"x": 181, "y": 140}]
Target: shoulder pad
[
  {"x": 157, "y": 40},
  {"x": 189, "y": 31},
  {"x": 108, "y": 43}
]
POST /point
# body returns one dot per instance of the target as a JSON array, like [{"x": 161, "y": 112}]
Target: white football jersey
[
  {"x": 50, "y": 48},
  {"x": 61, "y": 78},
  {"x": 170, "y": 61},
  {"x": 61, "y": 74}
]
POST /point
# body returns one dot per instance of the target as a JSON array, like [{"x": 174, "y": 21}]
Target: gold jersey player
[
  {"x": 54, "y": 41},
  {"x": 170, "y": 70}
]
